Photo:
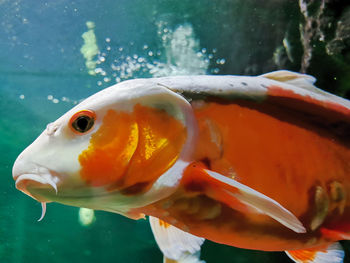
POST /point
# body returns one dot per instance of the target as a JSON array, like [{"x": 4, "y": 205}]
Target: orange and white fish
[{"x": 253, "y": 162}]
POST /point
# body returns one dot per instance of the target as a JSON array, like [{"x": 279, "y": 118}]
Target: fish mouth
[
  {"x": 24, "y": 182},
  {"x": 30, "y": 176},
  {"x": 37, "y": 185}
]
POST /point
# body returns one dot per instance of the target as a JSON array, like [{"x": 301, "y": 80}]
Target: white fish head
[{"x": 88, "y": 157}]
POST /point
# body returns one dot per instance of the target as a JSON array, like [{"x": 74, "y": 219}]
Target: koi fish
[{"x": 252, "y": 162}]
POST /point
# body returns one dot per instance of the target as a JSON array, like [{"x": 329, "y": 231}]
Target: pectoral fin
[
  {"x": 238, "y": 196},
  {"x": 176, "y": 245},
  {"x": 331, "y": 254}
]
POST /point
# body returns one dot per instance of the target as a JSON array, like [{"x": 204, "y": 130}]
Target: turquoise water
[{"x": 43, "y": 73}]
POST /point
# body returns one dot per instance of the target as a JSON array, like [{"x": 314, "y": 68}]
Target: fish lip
[
  {"x": 23, "y": 167},
  {"x": 39, "y": 178}
]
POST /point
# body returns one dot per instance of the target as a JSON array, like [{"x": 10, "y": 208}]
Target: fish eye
[{"x": 82, "y": 121}]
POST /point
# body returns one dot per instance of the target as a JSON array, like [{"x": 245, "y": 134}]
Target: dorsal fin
[
  {"x": 303, "y": 81},
  {"x": 293, "y": 78},
  {"x": 286, "y": 89}
]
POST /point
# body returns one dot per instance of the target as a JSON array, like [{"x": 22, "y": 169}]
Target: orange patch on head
[
  {"x": 110, "y": 149},
  {"x": 160, "y": 142},
  {"x": 132, "y": 148}
]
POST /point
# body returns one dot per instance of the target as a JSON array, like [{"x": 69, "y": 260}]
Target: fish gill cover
[{"x": 53, "y": 54}]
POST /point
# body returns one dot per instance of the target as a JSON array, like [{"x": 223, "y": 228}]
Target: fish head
[{"x": 121, "y": 148}]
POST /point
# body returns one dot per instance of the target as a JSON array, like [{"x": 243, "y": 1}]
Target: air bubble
[
  {"x": 180, "y": 52},
  {"x": 98, "y": 70}
]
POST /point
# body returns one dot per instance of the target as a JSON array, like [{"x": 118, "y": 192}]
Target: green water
[{"x": 43, "y": 74}]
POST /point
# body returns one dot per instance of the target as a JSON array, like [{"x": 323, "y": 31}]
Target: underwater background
[{"x": 53, "y": 54}]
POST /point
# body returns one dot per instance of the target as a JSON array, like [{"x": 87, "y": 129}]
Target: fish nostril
[{"x": 51, "y": 128}]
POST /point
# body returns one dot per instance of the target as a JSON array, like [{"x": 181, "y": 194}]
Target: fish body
[{"x": 254, "y": 162}]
